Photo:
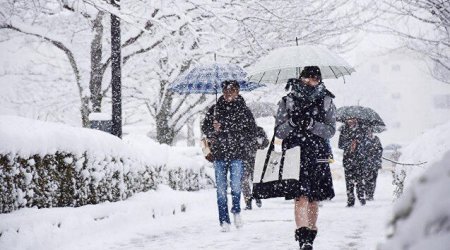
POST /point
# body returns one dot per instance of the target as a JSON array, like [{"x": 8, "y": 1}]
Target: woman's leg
[
  {"x": 313, "y": 213},
  {"x": 301, "y": 212},
  {"x": 306, "y": 213}
]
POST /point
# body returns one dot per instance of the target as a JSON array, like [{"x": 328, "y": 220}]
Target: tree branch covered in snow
[{"x": 425, "y": 28}]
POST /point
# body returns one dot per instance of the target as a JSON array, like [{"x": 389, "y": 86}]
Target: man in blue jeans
[{"x": 228, "y": 126}]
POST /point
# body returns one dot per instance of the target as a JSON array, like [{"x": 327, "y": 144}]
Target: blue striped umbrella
[{"x": 207, "y": 79}]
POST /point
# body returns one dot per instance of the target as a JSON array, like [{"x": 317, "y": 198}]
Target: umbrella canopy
[
  {"x": 207, "y": 79},
  {"x": 263, "y": 109},
  {"x": 364, "y": 114},
  {"x": 287, "y": 62}
]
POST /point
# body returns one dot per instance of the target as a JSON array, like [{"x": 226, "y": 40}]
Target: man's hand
[
  {"x": 353, "y": 146},
  {"x": 216, "y": 126}
]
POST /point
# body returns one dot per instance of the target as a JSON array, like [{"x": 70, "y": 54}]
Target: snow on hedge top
[
  {"x": 27, "y": 137},
  {"x": 430, "y": 147}
]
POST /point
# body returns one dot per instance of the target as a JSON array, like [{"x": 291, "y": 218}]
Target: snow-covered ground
[{"x": 154, "y": 220}]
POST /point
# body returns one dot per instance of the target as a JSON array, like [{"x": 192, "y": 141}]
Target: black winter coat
[
  {"x": 358, "y": 157},
  {"x": 238, "y": 126},
  {"x": 374, "y": 152},
  {"x": 259, "y": 141},
  {"x": 315, "y": 176}
]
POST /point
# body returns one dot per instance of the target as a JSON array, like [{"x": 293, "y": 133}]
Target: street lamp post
[{"x": 116, "y": 74}]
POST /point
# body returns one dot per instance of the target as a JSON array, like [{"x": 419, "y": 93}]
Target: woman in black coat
[{"x": 306, "y": 118}]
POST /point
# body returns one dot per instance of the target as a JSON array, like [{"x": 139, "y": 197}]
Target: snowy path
[
  {"x": 272, "y": 226},
  {"x": 130, "y": 224}
]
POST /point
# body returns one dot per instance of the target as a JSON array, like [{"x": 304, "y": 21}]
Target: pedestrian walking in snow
[
  {"x": 352, "y": 140},
  {"x": 260, "y": 141},
  {"x": 306, "y": 118},
  {"x": 227, "y": 126},
  {"x": 374, "y": 152}
]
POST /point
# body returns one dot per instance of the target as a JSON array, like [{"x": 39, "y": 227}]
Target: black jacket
[
  {"x": 315, "y": 138},
  {"x": 374, "y": 151},
  {"x": 258, "y": 141},
  {"x": 238, "y": 127},
  {"x": 359, "y": 156}
]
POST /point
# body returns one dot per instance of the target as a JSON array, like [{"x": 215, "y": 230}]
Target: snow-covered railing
[{"x": 46, "y": 164}]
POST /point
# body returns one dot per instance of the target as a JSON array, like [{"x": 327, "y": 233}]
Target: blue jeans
[{"x": 221, "y": 168}]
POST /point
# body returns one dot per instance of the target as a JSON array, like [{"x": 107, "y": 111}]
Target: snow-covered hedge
[
  {"x": 421, "y": 218},
  {"x": 64, "y": 179},
  {"x": 52, "y": 165},
  {"x": 428, "y": 147}
]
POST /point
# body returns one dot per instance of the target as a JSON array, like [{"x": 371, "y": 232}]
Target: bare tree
[
  {"x": 154, "y": 29},
  {"x": 424, "y": 27},
  {"x": 267, "y": 24}
]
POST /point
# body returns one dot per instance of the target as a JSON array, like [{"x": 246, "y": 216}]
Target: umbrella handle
[{"x": 215, "y": 106}]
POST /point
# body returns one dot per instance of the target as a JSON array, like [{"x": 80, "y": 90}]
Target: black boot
[
  {"x": 301, "y": 235},
  {"x": 305, "y": 237},
  {"x": 310, "y": 240},
  {"x": 258, "y": 202},
  {"x": 350, "y": 202},
  {"x": 248, "y": 204}
]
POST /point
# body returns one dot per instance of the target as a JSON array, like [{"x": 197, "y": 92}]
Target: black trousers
[
  {"x": 354, "y": 177},
  {"x": 371, "y": 182},
  {"x": 247, "y": 179}
]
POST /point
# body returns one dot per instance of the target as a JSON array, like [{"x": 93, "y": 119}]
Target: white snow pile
[
  {"x": 421, "y": 218},
  {"x": 47, "y": 164},
  {"x": 27, "y": 137},
  {"x": 429, "y": 148}
]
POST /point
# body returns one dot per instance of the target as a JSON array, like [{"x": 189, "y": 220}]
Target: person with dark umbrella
[
  {"x": 306, "y": 118},
  {"x": 352, "y": 140}
]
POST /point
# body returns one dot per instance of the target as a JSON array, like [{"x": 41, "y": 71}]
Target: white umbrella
[{"x": 287, "y": 62}]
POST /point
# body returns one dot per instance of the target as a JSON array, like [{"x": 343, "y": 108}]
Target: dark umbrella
[{"x": 364, "y": 114}]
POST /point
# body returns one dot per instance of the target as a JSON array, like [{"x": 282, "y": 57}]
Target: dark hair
[
  {"x": 230, "y": 84},
  {"x": 311, "y": 72}
]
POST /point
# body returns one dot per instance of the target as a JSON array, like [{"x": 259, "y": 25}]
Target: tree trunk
[
  {"x": 190, "y": 132},
  {"x": 164, "y": 132},
  {"x": 84, "y": 109},
  {"x": 95, "y": 82}
]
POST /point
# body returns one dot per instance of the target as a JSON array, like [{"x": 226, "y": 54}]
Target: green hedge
[{"x": 64, "y": 179}]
